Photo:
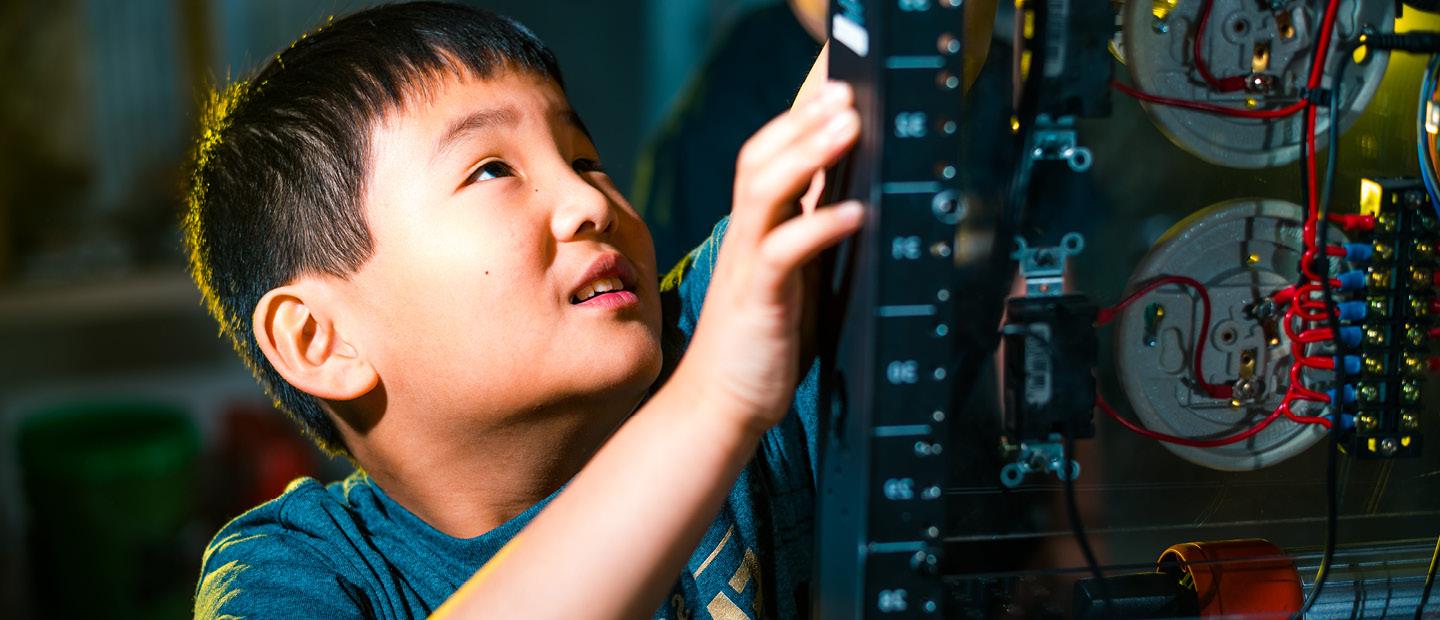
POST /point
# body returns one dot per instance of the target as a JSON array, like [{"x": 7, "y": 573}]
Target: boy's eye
[
  {"x": 585, "y": 164},
  {"x": 490, "y": 170}
]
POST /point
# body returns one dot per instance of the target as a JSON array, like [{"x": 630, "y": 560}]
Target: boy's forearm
[{"x": 611, "y": 544}]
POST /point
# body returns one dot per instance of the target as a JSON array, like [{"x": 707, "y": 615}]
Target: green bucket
[{"x": 110, "y": 488}]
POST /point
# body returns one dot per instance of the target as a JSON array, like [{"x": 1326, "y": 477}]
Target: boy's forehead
[{"x": 448, "y": 103}]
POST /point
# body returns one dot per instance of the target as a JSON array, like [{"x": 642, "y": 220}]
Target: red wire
[
  {"x": 1107, "y": 315},
  {"x": 1298, "y": 391},
  {"x": 1317, "y": 71},
  {"x": 1306, "y": 419},
  {"x": 1322, "y": 363},
  {"x": 1311, "y": 336},
  {"x": 1201, "y": 106},
  {"x": 1354, "y": 221},
  {"x": 1186, "y": 441},
  {"x": 1225, "y": 85},
  {"x": 1299, "y": 298}
]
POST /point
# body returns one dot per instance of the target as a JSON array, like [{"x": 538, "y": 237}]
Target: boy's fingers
[
  {"x": 810, "y": 200},
  {"x": 783, "y": 132},
  {"x": 802, "y": 238},
  {"x": 770, "y": 193}
]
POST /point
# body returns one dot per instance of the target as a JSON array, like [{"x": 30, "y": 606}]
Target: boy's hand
[{"x": 746, "y": 348}]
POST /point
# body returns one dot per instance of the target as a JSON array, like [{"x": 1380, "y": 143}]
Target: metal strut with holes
[{"x": 889, "y": 382}]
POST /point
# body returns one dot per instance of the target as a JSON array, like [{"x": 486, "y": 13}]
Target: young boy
[{"x": 407, "y": 233}]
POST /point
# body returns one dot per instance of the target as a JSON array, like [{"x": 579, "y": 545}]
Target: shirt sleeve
[
  {"x": 261, "y": 574},
  {"x": 683, "y": 289},
  {"x": 791, "y": 446}
]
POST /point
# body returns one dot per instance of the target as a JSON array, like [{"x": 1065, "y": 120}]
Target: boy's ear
[{"x": 307, "y": 347}]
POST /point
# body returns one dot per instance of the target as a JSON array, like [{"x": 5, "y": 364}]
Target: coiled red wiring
[{"x": 1300, "y": 300}]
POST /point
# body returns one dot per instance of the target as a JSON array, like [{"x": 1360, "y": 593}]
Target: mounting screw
[
  {"x": 1409, "y": 421},
  {"x": 1246, "y": 390},
  {"x": 1388, "y": 446}
]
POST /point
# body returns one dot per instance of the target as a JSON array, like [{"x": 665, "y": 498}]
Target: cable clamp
[{"x": 1316, "y": 96}]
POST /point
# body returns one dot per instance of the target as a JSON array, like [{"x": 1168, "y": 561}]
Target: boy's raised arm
[{"x": 611, "y": 544}]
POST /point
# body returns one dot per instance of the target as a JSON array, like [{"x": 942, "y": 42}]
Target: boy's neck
[{"x": 468, "y": 483}]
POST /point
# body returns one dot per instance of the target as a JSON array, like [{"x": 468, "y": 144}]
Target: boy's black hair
[{"x": 282, "y": 160}]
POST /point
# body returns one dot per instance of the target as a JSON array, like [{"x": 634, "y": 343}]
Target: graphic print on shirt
[{"x": 732, "y": 571}]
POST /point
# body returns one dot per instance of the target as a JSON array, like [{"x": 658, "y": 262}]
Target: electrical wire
[
  {"x": 1077, "y": 527},
  {"x": 1424, "y": 139},
  {"x": 1188, "y": 441},
  {"x": 1429, "y": 581},
  {"x": 1106, "y": 315},
  {"x": 1301, "y": 302},
  {"x": 1332, "y": 475},
  {"x": 1223, "y": 85},
  {"x": 1425, "y": 143},
  {"x": 1299, "y": 299},
  {"x": 1201, "y": 106},
  {"x": 1317, "y": 73}
]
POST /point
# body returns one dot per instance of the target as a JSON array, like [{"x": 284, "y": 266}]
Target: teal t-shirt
[{"x": 347, "y": 550}]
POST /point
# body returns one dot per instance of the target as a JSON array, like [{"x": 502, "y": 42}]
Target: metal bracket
[
  {"x": 1054, "y": 139},
  {"x": 1044, "y": 268},
  {"x": 1043, "y": 457}
]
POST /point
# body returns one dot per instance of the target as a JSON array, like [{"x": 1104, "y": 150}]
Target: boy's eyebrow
[
  {"x": 573, "y": 117},
  {"x": 485, "y": 119},
  {"x": 473, "y": 122}
]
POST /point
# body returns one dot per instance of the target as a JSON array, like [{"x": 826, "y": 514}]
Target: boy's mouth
[
  {"x": 597, "y": 288},
  {"x": 609, "y": 281}
]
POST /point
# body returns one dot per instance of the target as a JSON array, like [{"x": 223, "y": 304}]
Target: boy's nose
[{"x": 582, "y": 209}]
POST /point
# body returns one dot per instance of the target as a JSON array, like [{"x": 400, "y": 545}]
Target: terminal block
[{"x": 1399, "y": 317}]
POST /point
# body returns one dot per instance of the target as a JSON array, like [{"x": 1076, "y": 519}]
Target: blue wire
[{"x": 1427, "y": 171}]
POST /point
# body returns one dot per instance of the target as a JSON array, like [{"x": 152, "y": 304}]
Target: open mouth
[
  {"x": 602, "y": 287},
  {"x": 610, "y": 283}
]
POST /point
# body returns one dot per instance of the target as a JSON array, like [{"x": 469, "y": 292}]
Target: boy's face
[{"x": 493, "y": 227}]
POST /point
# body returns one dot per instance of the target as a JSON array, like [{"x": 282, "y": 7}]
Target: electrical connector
[
  {"x": 1351, "y": 280},
  {"x": 1349, "y": 392},
  {"x": 1351, "y": 335},
  {"x": 1351, "y": 364},
  {"x": 1359, "y": 252},
  {"x": 1351, "y": 310},
  {"x": 1354, "y": 222}
]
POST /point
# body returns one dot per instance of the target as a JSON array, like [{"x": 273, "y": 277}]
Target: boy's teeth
[{"x": 603, "y": 285}]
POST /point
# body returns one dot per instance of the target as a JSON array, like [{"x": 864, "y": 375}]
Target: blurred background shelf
[{"x": 157, "y": 292}]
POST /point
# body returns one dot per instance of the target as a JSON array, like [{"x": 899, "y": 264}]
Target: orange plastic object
[{"x": 1251, "y": 578}]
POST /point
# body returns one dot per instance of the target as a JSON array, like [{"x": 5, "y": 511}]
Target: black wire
[
  {"x": 1429, "y": 580},
  {"x": 1337, "y": 405},
  {"x": 1077, "y": 527}
]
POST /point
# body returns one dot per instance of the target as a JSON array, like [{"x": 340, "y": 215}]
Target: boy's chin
[{"x": 624, "y": 366}]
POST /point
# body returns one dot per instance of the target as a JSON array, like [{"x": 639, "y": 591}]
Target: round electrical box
[
  {"x": 1242, "y": 251},
  {"x": 1261, "y": 52}
]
